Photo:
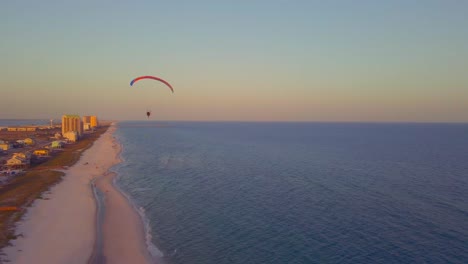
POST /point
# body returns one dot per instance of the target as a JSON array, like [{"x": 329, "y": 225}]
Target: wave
[
  {"x": 154, "y": 252},
  {"x": 150, "y": 246}
]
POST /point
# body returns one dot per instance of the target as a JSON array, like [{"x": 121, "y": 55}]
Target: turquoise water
[{"x": 300, "y": 192}]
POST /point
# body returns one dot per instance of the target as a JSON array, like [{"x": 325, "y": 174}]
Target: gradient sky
[{"x": 268, "y": 60}]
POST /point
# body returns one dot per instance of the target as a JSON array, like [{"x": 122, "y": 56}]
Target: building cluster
[
  {"x": 73, "y": 126},
  {"x": 19, "y": 160},
  {"x": 7, "y": 145},
  {"x": 17, "y": 153},
  {"x": 28, "y": 128},
  {"x": 23, "y": 129},
  {"x": 11, "y": 159},
  {"x": 90, "y": 122}
]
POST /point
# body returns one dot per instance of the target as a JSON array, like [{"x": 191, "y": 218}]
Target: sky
[{"x": 270, "y": 60}]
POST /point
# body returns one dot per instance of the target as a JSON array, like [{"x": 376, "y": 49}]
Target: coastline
[
  {"x": 121, "y": 227},
  {"x": 63, "y": 227}
]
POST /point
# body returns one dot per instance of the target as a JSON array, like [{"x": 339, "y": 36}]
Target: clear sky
[{"x": 236, "y": 60}]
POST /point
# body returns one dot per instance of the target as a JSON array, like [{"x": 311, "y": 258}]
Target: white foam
[{"x": 150, "y": 246}]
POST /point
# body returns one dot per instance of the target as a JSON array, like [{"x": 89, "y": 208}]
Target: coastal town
[
  {"x": 23, "y": 147},
  {"x": 37, "y": 157}
]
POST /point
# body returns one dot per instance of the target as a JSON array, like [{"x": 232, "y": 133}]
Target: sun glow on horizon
[{"x": 379, "y": 62}]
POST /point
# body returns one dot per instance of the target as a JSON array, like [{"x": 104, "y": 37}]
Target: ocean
[
  {"x": 24, "y": 122},
  {"x": 233, "y": 192}
]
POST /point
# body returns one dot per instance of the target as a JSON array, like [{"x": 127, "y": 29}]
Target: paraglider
[
  {"x": 151, "y": 77},
  {"x": 148, "y": 112}
]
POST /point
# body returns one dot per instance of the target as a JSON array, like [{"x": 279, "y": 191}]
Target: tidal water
[{"x": 299, "y": 192}]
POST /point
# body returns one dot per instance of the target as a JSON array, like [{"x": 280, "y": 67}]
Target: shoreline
[
  {"x": 64, "y": 227},
  {"x": 122, "y": 229},
  {"x": 155, "y": 254}
]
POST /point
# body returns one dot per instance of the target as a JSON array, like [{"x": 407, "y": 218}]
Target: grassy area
[
  {"x": 25, "y": 188},
  {"x": 72, "y": 153}
]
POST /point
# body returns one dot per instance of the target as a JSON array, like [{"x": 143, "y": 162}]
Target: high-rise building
[
  {"x": 86, "y": 123},
  {"x": 72, "y": 123},
  {"x": 86, "y": 119},
  {"x": 94, "y": 121}
]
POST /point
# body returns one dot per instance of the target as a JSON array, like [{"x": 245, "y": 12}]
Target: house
[
  {"x": 18, "y": 161},
  {"x": 23, "y": 155},
  {"x": 21, "y": 129},
  {"x": 41, "y": 152},
  {"x": 15, "y": 160},
  {"x": 5, "y": 146},
  {"x": 56, "y": 144},
  {"x": 29, "y": 141}
]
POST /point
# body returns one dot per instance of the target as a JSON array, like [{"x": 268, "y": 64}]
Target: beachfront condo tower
[
  {"x": 86, "y": 119},
  {"x": 72, "y": 123},
  {"x": 94, "y": 121}
]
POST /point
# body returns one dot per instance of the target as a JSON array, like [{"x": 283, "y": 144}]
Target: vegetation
[
  {"x": 25, "y": 188},
  {"x": 72, "y": 153}
]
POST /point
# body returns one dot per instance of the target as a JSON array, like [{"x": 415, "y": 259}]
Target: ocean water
[
  {"x": 299, "y": 192},
  {"x": 24, "y": 122}
]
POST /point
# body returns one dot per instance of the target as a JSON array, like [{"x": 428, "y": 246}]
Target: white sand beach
[
  {"x": 122, "y": 228},
  {"x": 62, "y": 228}
]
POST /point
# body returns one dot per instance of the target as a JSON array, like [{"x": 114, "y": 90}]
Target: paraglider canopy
[
  {"x": 153, "y": 78},
  {"x": 148, "y": 112}
]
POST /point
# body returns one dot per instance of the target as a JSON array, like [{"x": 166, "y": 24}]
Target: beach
[
  {"x": 121, "y": 228},
  {"x": 63, "y": 227}
]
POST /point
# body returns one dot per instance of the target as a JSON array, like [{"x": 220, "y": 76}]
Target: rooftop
[{"x": 71, "y": 116}]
